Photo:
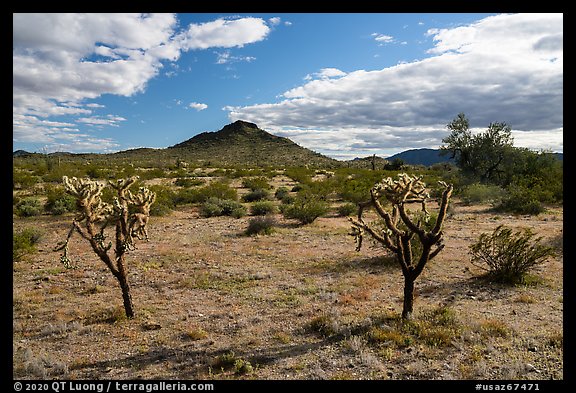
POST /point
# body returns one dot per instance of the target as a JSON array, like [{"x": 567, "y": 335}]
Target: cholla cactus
[
  {"x": 88, "y": 202},
  {"x": 142, "y": 202},
  {"x": 94, "y": 215},
  {"x": 401, "y": 227}
]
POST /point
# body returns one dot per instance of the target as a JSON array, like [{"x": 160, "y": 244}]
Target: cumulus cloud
[
  {"x": 505, "y": 68},
  {"x": 275, "y": 20},
  {"x": 224, "y": 33},
  {"x": 198, "y": 106},
  {"x": 62, "y": 60},
  {"x": 325, "y": 73}
]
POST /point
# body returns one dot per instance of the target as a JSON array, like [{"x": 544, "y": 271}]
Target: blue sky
[{"x": 343, "y": 84}]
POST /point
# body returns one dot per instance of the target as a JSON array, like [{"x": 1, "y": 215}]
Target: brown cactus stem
[{"x": 408, "y": 305}]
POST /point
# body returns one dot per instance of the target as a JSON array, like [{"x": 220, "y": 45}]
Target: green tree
[{"x": 481, "y": 155}]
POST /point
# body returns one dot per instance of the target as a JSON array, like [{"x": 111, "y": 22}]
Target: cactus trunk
[
  {"x": 126, "y": 296},
  {"x": 408, "y": 298}
]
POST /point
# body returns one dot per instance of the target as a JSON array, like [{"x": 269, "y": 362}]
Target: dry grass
[{"x": 299, "y": 303}]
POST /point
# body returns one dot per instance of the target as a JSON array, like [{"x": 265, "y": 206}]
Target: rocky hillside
[{"x": 246, "y": 144}]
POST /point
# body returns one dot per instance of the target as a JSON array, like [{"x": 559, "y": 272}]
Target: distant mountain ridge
[
  {"x": 244, "y": 143},
  {"x": 423, "y": 156},
  {"x": 429, "y": 157}
]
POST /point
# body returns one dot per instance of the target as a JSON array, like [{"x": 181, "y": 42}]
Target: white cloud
[
  {"x": 227, "y": 57},
  {"x": 62, "y": 60},
  {"x": 224, "y": 33},
  {"x": 198, "y": 106},
  {"x": 506, "y": 68},
  {"x": 382, "y": 38},
  {"x": 274, "y": 21},
  {"x": 326, "y": 73},
  {"x": 108, "y": 120}
]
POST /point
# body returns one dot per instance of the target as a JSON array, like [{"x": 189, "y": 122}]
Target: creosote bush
[
  {"x": 507, "y": 255},
  {"x": 261, "y": 208},
  {"x": 258, "y": 194},
  {"x": 28, "y": 207},
  {"x": 262, "y": 225},
  {"x": 24, "y": 242},
  {"x": 59, "y": 202},
  {"x": 305, "y": 208},
  {"x": 215, "y": 207},
  {"x": 482, "y": 193}
]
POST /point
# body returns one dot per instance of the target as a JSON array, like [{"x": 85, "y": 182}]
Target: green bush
[
  {"x": 261, "y": 225},
  {"x": 305, "y": 209},
  {"x": 23, "y": 179},
  {"x": 24, "y": 243},
  {"x": 481, "y": 193},
  {"x": 300, "y": 174},
  {"x": 59, "y": 201},
  {"x": 281, "y": 193},
  {"x": 153, "y": 173},
  {"x": 521, "y": 200},
  {"x": 164, "y": 203},
  {"x": 188, "y": 181},
  {"x": 508, "y": 255},
  {"x": 255, "y": 183},
  {"x": 215, "y": 207},
  {"x": 200, "y": 195},
  {"x": 256, "y": 195},
  {"x": 347, "y": 209},
  {"x": 28, "y": 207},
  {"x": 262, "y": 208}
]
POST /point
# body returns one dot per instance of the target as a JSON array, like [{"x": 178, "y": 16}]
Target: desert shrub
[
  {"x": 256, "y": 195},
  {"x": 59, "y": 202},
  {"x": 95, "y": 172},
  {"x": 24, "y": 242},
  {"x": 187, "y": 196},
  {"x": 188, "y": 181},
  {"x": 23, "y": 179},
  {"x": 214, "y": 207},
  {"x": 508, "y": 256},
  {"x": 153, "y": 173},
  {"x": 300, "y": 174},
  {"x": 521, "y": 200},
  {"x": 481, "y": 193},
  {"x": 281, "y": 193},
  {"x": 288, "y": 199},
  {"x": 262, "y": 208},
  {"x": 164, "y": 203},
  {"x": 347, "y": 209},
  {"x": 260, "y": 225},
  {"x": 217, "y": 190},
  {"x": 305, "y": 209},
  {"x": 255, "y": 183},
  {"x": 354, "y": 187},
  {"x": 28, "y": 207}
]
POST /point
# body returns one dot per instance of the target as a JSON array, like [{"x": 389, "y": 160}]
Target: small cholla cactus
[
  {"x": 142, "y": 201},
  {"x": 403, "y": 226},
  {"x": 94, "y": 215}
]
